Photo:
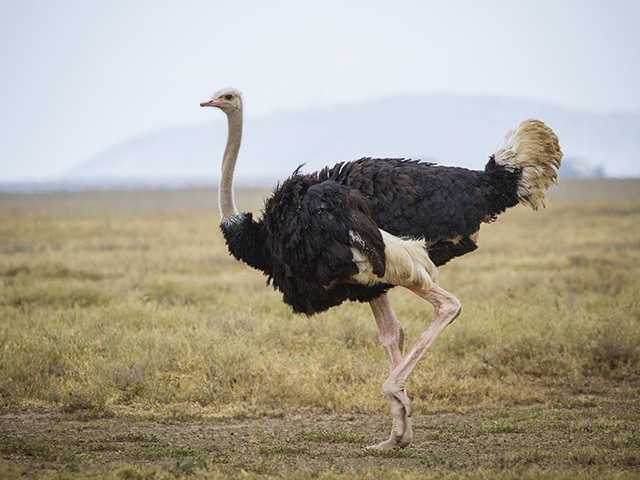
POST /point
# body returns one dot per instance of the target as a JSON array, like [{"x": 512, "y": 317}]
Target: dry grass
[{"x": 126, "y": 305}]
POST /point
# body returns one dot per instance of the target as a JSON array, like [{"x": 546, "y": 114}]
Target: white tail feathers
[
  {"x": 407, "y": 264},
  {"x": 534, "y": 149}
]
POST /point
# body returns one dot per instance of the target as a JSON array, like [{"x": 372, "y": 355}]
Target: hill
[{"x": 448, "y": 129}]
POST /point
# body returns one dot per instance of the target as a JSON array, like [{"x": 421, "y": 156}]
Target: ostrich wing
[
  {"x": 341, "y": 218},
  {"x": 312, "y": 228}
]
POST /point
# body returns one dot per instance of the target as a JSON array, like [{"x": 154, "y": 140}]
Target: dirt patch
[{"x": 602, "y": 437}]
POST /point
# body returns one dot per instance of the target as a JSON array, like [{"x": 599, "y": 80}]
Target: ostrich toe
[{"x": 401, "y": 429}]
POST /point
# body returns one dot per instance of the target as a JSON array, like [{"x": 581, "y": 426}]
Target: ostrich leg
[
  {"x": 446, "y": 309},
  {"x": 391, "y": 336},
  {"x": 390, "y": 331}
]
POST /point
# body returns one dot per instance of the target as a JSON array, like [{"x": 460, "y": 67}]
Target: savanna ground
[{"x": 133, "y": 347}]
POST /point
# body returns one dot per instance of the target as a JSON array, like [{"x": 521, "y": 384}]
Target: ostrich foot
[{"x": 401, "y": 429}]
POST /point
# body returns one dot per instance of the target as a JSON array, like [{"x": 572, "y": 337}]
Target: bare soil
[{"x": 598, "y": 433}]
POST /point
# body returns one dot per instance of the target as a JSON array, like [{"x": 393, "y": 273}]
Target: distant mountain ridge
[{"x": 448, "y": 129}]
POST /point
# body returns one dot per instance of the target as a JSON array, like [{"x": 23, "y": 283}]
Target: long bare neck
[{"x": 226, "y": 202}]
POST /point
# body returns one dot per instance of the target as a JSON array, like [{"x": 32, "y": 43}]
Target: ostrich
[{"x": 355, "y": 230}]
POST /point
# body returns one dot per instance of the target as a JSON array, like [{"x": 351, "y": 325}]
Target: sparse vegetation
[
  {"x": 333, "y": 436},
  {"x": 133, "y": 347}
]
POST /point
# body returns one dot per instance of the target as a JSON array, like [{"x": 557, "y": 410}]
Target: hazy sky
[{"x": 78, "y": 76}]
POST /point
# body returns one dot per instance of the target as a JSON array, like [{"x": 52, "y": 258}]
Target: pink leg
[
  {"x": 390, "y": 331},
  {"x": 391, "y": 336},
  {"x": 446, "y": 309}
]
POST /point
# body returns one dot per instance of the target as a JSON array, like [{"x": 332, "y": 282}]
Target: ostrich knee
[{"x": 446, "y": 309}]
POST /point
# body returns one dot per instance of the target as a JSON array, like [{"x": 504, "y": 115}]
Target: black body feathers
[
  {"x": 246, "y": 241},
  {"x": 303, "y": 241}
]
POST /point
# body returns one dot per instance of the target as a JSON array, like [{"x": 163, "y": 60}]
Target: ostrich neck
[{"x": 226, "y": 200}]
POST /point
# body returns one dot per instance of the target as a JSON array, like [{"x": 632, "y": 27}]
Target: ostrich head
[{"x": 228, "y": 100}]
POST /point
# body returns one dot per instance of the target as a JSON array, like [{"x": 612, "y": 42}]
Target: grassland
[{"x": 133, "y": 347}]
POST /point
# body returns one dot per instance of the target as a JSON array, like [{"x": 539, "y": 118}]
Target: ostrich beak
[{"x": 211, "y": 103}]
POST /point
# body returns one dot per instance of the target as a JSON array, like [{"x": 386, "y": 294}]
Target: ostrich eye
[{"x": 228, "y": 96}]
